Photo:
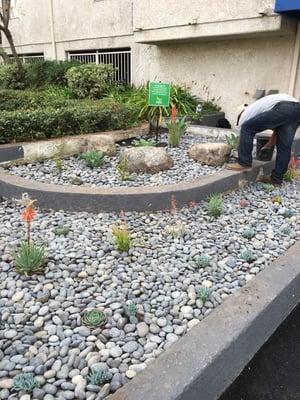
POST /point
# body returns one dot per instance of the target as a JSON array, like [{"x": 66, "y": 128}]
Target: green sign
[{"x": 159, "y": 94}]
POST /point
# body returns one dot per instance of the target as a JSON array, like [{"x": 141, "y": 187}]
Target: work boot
[
  {"x": 267, "y": 179},
  {"x": 238, "y": 167}
]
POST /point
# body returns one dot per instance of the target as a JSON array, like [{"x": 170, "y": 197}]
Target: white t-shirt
[{"x": 263, "y": 105}]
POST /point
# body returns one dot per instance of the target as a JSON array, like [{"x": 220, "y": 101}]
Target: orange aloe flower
[
  {"x": 28, "y": 214},
  {"x": 174, "y": 114}
]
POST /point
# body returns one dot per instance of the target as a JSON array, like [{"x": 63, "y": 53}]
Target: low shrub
[
  {"x": 77, "y": 118},
  {"x": 11, "y": 77},
  {"x": 90, "y": 80}
]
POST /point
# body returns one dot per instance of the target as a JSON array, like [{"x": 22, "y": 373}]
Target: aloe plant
[
  {"x": 93, "y": 158},
  {"x": 94, "y": 318},
  {"x": 176, "y": 131},
  {"x": 98, "y": 377},
  {"x": 248, "y": 256},
  {"x": 30, "y": 259},
  {"x": 202, "y": 261},
  {"x": 204, "y": 293},
  {"x": 233, "y": 141},
  {"x": 248, "y": 233}
]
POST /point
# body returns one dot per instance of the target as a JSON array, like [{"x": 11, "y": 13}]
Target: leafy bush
[
  {"x": 11, "y": 77},
  {"x": 30, "y": 259},
  {"x": 93, "y": 158},
  {"x": 214, "y": 207},
  {"x": 48, "y": 122},
  {"x": 90, "y": 81},
  {"x": 25, "y": 382}
]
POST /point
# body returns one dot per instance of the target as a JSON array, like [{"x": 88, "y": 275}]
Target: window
[
  {"x": 119, "y": 58},
  {"x": 30, "y": 58}
]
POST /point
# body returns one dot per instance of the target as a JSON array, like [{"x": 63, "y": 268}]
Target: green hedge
[{"x": 44, "y": 123}]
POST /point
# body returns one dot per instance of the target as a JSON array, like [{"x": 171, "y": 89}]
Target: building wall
[{"x": 230, "y": 69}]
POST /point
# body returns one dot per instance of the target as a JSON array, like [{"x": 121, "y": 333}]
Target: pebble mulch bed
[
  {"x": 41, "y": 330},
  {"x": 76, "y": 172}
]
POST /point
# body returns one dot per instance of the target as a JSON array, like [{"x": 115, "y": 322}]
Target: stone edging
[
  {"x": 211, "y": 355},
  {"x": 145, "y": 198}
]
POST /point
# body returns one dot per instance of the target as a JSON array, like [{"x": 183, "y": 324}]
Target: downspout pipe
[
  {"x": 53, "y": 43},
  {"x": 295, "y": 63}
]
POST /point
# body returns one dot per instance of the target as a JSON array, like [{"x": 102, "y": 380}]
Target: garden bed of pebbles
[
  {"x": 75, "y": 172},
  {"x": 41, "y": 330}
]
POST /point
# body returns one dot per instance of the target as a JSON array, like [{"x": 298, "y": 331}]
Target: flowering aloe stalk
[{"x": 28, "y": 215}]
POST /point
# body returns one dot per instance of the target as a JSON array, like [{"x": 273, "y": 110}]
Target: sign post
[{"x": 159, "y": 96}]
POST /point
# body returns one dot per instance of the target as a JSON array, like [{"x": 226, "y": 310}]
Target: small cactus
[
  {"x": 248, "y": 233},
  {"x": 202, "y": 261},
  {"x": 130, "y": 310}
]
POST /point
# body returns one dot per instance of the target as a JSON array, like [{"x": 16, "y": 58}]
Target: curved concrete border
[
  {"x": 145, "y": 198},
  {"x": 203, "y": 363}
]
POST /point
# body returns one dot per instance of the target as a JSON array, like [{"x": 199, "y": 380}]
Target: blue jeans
[{"x": 285, "y": 118}]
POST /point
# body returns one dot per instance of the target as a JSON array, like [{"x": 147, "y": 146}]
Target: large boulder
[
  {"x": 210, "y": 153},
  {"x": 103, "y": 143},
  {"x": 147, "y": 159}
]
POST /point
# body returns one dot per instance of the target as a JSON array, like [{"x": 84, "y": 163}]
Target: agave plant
[
  {"x": 202, "y": 261},
  {"x": 94, "y": 318},
  {"x": 204, "y": 294},
  {"x": 130, "y": 311},
  {"x": 30, "y": 259},
  {"x": 248, "y": 233},
  {"x": 233, "y": 141},
  {"x": 25, "y": 382},
  {"x": 98, "y": 377}
]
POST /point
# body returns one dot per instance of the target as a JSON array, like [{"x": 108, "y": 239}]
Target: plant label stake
[{"x": 159, "y": 96}]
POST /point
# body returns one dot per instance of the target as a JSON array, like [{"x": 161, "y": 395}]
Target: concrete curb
[
  {"x": 211, "y": 355},
  {"x": 146, "y": 198}
]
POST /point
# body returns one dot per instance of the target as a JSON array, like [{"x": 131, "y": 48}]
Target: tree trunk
[
  {"x": 4, "y": 56},
  {"x": 9, "y": 38}
]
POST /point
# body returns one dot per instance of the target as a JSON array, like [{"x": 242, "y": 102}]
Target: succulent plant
[
  {"x": 143, "y": 143},
  {"x": 248, "y": 256},
  {"x": 61, "y": 231},
  {"x": 204, "y": 293},
  {"x": 98, "y": 377},
  {"x": 244, "y": 203},
  {"x": 277, "y": 199},
  {"x": 248, "y": 233},
  {"x": 202, "y": 261},
  {"x": 94, "y": 318},
  {"x": 214, "y": 207},
  {"x": 123, "y": 169},
  {"x": 130, "y": 310},
  {"x": 93, "y": 158},
  {"x": 122, "y": 238},
  {"x": 267, "y": 187},
  {"x": 286, "y": 230},
  {"x": 25, "y": 382},
  {"x": 30, "y": 259},
  {"x": 288, "y": 213},
  {"x": 233, "y": 141},
  {"x": 59, "y": 165}
]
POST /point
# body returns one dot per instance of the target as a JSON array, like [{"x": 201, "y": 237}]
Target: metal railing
[
  {"x": 121, "y": 60},
  {"x": 29, "y": 59}
]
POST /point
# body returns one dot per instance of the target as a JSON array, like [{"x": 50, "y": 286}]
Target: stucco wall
[{"x": 231, "y": 69}]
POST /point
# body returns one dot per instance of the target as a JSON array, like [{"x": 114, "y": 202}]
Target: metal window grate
[
  {"x": 29, "y": 58},
  {"x": 121, "y": 60}
]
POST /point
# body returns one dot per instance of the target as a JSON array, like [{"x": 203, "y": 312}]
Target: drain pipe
[
  {"x": 295, "y": 63},
  {"x": 53, "y": 43}
]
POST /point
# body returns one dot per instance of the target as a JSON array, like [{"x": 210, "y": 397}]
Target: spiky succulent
[
  {"x": 25, "y": 382},
  {"x": 202, "y": 261},
  {"x": 98, "y": 377},
  {"x": 30, "y": 259},
  {"x": 248, "y": 233},
  {"x": 286, "y": 230},
  {"x": 130, "y": 310},
  {"x": 248, "y": 256},
  {"x": 233, "y": 141},
  {"x": 94, "y": 318},
  {"x": 214, "y": 207},
  {"x": 267, "y": 187},
  {"x": 61, "y": 231},
  {"x": 204, "y": 293},
  {"x": 93, "y": 158}
]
